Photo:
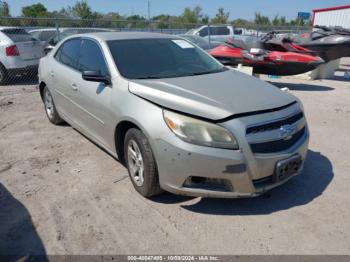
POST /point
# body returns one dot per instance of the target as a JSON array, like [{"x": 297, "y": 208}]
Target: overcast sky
[{"x": 237, "y": 8}]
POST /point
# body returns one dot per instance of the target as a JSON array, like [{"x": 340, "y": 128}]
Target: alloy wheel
[{"x": 135, "y": 163}]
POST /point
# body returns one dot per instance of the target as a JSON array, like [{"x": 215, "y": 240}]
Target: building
[{"x": 332, "y": 16}]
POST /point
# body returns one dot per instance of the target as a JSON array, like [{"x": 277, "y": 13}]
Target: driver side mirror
[{"x": 96, "y": 76}]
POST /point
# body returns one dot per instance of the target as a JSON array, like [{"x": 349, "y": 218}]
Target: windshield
[
  {"x": 161, "y": 58},
  {"x": 18, "y": 35}
]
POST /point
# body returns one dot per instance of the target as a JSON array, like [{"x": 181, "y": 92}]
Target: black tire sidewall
[
  {"x": 150, "y": 185},
  {"x": 4, "y": 75}
]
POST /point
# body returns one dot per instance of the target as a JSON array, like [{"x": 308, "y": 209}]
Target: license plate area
[{"x": 288, "y": 167}]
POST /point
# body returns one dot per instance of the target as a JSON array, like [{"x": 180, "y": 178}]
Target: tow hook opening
[{"x": 211, "y": 184}]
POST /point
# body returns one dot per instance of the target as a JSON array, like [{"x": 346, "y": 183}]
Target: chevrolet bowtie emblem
[{"x": 287, "y": 132}]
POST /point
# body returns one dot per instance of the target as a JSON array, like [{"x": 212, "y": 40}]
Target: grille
[
  {"x": 275, "y": 125},
  {"x": 277, "y": 145}
]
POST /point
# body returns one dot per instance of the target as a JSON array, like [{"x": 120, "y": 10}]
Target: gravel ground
[{"x": 61, "y": 194}]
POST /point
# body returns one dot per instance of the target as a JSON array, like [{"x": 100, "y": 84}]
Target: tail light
[{"x": 12, "y": 51}]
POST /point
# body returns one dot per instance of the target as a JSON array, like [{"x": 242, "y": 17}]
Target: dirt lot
[{"x": 61, "y": 194}]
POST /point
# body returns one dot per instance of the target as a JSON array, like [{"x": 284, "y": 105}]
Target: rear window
[{"x": 18, "y": 35}]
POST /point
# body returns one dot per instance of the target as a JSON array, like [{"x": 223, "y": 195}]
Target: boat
[{"x": 255, "y": 53}]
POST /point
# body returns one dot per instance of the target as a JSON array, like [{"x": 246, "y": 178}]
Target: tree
[
  {"x": 241, "y": 22},
  {"x": 299, "y": 22},
  {"x": 279, "y": 21},
  {"x": 4, "y": 9},
  {"x": 221, "y": 17},
  {"x": 162, "y": 21},
  {"x": 261, "y": 20},
  {"x": 136, "y": 21},
  {"x": 113, "y": 16},
  {"x": 82, "y": 9},
  {"x": 36, "y": 10},
  {"x": 192, "y": 16},
  {"x": 205, "y": 19},
  {"x": 62, "y": 13}
]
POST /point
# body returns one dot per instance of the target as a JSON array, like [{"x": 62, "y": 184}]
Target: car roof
[
  {"x": 42, "y": 30},
  {"x": 10, "y": 27},
  {"x": 108, "y": 36}
]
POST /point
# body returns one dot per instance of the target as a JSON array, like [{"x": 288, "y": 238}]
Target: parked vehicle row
[
  {"x": 177, "y": 118},
  {"x": 268, "y": 54},
  {"x": 22, "y": 49}
]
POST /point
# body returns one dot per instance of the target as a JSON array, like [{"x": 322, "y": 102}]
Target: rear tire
[
  {"x": 141, "y": 164},
  {"x": 50, "y": 108},
  {"x": 4, "y": 77}
]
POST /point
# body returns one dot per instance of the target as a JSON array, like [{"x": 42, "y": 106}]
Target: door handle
[
  {"x": 74, "y": 87},
  {"x": 52, "y": 74}
]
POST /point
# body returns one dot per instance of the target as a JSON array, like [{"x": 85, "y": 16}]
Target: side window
[
  {"x": 46, "y": 35},
  {"x": 238, "y": 31},
  {"x": 68, "y": 53},
  {"x": 36, "y": 34},
  {"x": 91, "y": 58},
  {"x": 219, "y": 31},
  {"x": 203, "y": 32}
]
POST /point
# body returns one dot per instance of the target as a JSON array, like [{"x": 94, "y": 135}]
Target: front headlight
[{"x": 199, "y": 132}]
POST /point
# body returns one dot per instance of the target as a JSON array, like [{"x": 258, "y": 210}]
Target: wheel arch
[
  {"x": 119, "y": 135},
  {"x": 42, "y": 86}
]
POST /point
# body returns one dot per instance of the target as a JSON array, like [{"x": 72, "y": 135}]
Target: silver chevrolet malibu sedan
[{"x": 179, "y": 120}]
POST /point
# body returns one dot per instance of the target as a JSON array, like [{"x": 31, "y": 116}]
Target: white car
[{"x": 19, "y": 52}]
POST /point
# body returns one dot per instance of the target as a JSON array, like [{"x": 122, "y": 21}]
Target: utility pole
[{"x": 149, "y": 14}]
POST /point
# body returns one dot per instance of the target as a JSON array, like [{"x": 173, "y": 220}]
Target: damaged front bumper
[{"x": 193, "y": 170}]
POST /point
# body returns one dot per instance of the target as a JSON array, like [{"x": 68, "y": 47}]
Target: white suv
[{"x": 19, "y": 52}]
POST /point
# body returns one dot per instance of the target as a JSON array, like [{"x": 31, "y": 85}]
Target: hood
[{"x": 212, "y": 96}]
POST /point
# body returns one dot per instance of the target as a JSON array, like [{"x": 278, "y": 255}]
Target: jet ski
[
  {"x": 330, "y": 43},
  {"x": 273, "y": 43},
  {"x": 254, "y": 53}
]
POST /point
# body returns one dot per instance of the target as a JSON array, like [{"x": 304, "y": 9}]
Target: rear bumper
[
  {"x": 32, "y": 69},
  {"x": 17, "y": 63}
]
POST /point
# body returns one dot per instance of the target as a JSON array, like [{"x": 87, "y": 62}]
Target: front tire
[
  {"x": 141, "y": 164},
  {"x": 50, "y": 108}
]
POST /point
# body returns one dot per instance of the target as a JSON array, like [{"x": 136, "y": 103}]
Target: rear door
[
  {"x": 63, "y": 72},
  {"x": 29, "y": 48}
]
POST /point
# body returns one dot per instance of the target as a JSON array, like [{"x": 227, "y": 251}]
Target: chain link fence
[{"x": 25, "y": 40}]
